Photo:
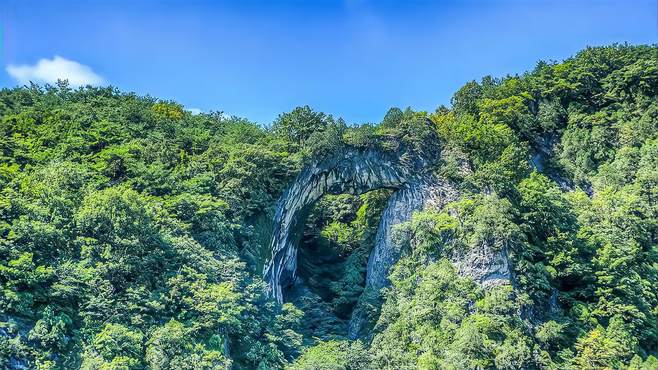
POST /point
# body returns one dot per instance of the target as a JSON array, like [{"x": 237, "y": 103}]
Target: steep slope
[{"x": 132, "y": 233}]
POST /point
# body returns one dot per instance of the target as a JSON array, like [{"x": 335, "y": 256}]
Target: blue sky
[{"x": 256, "y": 59}]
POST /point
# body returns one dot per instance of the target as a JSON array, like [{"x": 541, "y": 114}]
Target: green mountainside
[{"x": 133, "y": 234}]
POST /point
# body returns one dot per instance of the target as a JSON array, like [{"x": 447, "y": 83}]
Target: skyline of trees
[{"x": 133, "y": 233}]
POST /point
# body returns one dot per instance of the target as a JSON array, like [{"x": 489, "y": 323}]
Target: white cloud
[
  {"x": 194, "y": 111},
  {"x": 51, "y": 70}
]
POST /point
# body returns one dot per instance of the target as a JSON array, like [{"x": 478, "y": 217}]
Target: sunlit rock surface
[{"x": 355, "y": 172}]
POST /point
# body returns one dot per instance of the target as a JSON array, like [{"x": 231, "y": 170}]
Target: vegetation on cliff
[{"x": 133, "y": 233}]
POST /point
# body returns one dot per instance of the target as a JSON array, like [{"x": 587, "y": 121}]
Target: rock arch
[
  {"x": 353, "y": 171},
  {"x": 356, "y": 171}
]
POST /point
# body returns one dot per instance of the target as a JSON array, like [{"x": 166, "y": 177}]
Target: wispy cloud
[
  {"x": 194, "y": 111},
  {"x": 51, "y": 70}
]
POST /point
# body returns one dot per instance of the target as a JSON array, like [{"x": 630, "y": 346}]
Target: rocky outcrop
[
  {"x": 12, "y": 327},
  {"x": 358, "y": 171},
  {"x": 543, "y": 158},
  {"x": 355, "y": 172},
  {"x": 427, "y": 192},
  {"x": 487, "y": 266}
]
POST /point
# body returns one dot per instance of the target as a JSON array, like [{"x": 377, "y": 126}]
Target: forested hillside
[{"x": 133, "y": 233}]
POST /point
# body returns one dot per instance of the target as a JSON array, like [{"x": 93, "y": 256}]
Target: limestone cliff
[{"x": 357, "y": 171}]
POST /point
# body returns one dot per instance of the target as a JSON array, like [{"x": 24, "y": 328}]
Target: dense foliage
[{"x": 133, "y": 233}]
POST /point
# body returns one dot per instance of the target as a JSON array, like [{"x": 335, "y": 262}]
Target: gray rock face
[
  {"x": 485, "y": 265},
  {"x": 354, "y": 172},
  {"x": 11, "y": 328},
  {"x": 427, "y": 191},
  {"x": 544, "y": 151}
]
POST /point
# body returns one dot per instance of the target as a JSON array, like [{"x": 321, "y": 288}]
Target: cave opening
[{"x": 336, "y": 241}]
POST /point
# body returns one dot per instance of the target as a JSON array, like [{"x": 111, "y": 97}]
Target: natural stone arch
[
  {"x": 356, "y": 171},
  {"x": 353, "y": 171}
]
